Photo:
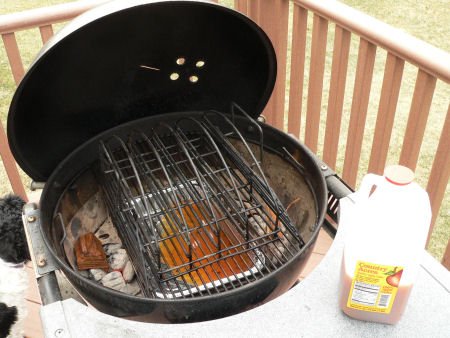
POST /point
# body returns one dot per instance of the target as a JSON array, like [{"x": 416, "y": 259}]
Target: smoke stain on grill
[
  {"x": 208, "y": 265},
  {"x": 104, "y": 236},
  {"x": 75, "y": 225}
]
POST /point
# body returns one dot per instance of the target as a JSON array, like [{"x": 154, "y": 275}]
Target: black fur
[
  {"x": 8, "y": 316},
  {"x": 13, "y": 249},
  {"x": 13, "y": 244}
]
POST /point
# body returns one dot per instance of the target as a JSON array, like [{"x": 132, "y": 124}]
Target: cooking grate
[{"x": 196, "y": 216}]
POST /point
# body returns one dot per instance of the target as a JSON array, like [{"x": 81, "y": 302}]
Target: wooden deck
[{"x": 33, "y": 328}]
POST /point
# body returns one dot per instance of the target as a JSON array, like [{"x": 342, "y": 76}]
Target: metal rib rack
[{"x": 196, "y": 218}]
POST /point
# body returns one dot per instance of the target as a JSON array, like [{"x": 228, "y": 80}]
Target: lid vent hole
[
  {"x": 174, "y": 76},
  {"x": 200, "y": 64},
  {"x": 193, "y": 78},
  {"x": 181, "y": 61}
]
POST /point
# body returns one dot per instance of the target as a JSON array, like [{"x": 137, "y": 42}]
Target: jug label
[{"x": 374, "y": 287}]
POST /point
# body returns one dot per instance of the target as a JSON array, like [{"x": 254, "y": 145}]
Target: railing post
[
  {"x": 241, "y": 6},
  {"x": 15, "y": 61},
  {"x": 338, "y": 80},
  {"x": 46, "y": 32},
  {"x": 390, "y": 90},
  {"x": 417, "y": 120},
  {"x": 360, "y": 103},
  {"x": 440, "y": 173},
  {"x": 446, "y": 258},
  {"x": 10, "y": 166},
  {"x": 273, "y": 18},
  {"x": 298, "y": 51},
  {"x": 315, "y": 88}
]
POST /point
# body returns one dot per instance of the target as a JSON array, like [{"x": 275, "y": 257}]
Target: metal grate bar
[
  {"x": 195, "y": 217},
  {"x": 193, "y": 194},
  {"x": 245, "y": 191}
]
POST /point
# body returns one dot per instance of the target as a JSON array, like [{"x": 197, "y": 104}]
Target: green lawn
[{"x": 427, "y": 20}]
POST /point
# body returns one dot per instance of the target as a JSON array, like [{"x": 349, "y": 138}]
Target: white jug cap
[{"x": 398, "y": 174}]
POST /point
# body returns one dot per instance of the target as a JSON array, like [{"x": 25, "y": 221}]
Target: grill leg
[{"x": 49, "y": 288}]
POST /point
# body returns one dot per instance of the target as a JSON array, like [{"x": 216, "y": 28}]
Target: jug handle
[{"x": 367, "y": 183}]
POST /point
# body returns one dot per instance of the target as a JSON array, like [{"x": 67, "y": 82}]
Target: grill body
[
  {"x": 144, "y": 63},
  {"x": 66, "y": 178}
]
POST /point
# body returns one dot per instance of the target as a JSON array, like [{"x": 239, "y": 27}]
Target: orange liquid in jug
[{"x": 398, "y": 307}]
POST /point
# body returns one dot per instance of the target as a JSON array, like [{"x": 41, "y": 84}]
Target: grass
[
  {"x": 29, "y": 44},
  {"x": 427, "y": 20}
]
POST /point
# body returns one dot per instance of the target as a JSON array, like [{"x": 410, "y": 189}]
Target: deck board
[
  {"x": 323, "y": 243},
  {"x": 313, "y": 261},
  {"x": 33, "y": 327},
  {"x": 33, "y": 291}
]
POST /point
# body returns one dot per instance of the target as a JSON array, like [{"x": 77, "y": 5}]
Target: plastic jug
[{"x": 386, "y": 229}]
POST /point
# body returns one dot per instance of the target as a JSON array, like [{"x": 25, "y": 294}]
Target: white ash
[
  {"x": 278, "y": 250},
  {"x": 250, "y": 208},
  {"x": 133, "y": 288},
  {"x": 84, "y": 273},
  {"x": 111, "y": 248},
  {"x": 122, "y": 277},
  {"x": 107, "y": 233},
  {"x": 114, "y": 280},
  {"x": 97, "y": 274},
  {"x": 88, "y": 218},
  {"x": 258, "y": 223},
  {"x": 118, "y": 260},
  {"x": 128, "y": 272}
]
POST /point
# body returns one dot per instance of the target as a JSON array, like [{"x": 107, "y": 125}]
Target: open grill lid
[{"x": 130, "y": 59}]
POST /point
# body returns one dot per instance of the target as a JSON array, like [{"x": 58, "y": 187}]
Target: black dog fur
[
  {"x": 13, "y": 244},
  {"x": 8, "y": 316},
  {"x": 13, "y": 249}
]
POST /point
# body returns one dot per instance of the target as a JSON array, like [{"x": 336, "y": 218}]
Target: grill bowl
[
  {"x": 287, "y": 178},
  {"x": 122, "y": 81}
]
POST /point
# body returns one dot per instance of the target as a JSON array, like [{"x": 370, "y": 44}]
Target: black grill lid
[{"x": 130, "y": 59}]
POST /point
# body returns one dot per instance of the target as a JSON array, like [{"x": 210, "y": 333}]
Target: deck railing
[{"x": 321, "y": 96}]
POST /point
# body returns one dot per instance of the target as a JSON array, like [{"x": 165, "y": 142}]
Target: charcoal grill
[{"x": 218, "y": 212}]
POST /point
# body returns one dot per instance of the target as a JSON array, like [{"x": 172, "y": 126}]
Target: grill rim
[{"x": 55, "y": 188}]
